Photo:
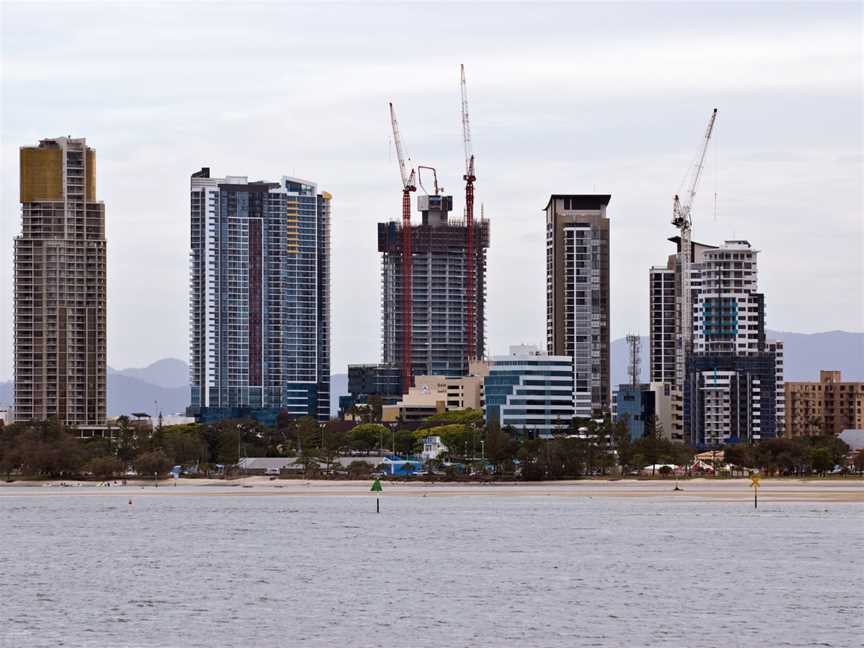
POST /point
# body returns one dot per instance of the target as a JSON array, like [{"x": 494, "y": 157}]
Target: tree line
[{"x": 588, "y": 448}]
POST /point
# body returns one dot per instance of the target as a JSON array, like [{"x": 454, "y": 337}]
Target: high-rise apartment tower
[
  {"x": 259, "y": 298},
  {"x": 664, "y": 287},
  {"x": 438, "y": 290},
  {"x": 60, "y": 303},
  {"x": 733, "y": 384},
  {"x": 577, "y": 294}
]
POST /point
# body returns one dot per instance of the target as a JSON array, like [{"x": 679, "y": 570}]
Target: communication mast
[
  {"x": 634, "y": 369},
  {"x": 408, "y": 185},
  {"x": 469, "y": 177}
]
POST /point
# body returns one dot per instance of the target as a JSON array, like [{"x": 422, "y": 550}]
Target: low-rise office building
[
  {"x": 433, "y": 395},
  {"x": 370, "y": 381},
  {"x": 530, "y": 391},
  {"x": 825, "y": 407},
  {"x": 644, "y": 406}
]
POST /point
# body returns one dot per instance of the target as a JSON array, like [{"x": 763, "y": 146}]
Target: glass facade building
[
  {"x": 259, "y": 298},
  {"x": 729, "y": 398},
  {"x": 369, "y": 380},
  {"x": 530, "y": 391}
]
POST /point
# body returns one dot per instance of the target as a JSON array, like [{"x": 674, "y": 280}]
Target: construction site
[{"x": 433, "y": 274}]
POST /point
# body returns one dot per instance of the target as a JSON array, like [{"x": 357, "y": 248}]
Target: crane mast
[
  {"x": 469, "y": 177},
  {"x": 681, "y": 219},
  {"x": 408, "y": 185}
]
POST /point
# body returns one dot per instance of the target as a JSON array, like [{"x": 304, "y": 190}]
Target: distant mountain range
[
  {"x": 164, "y": 385},
  {"x": 168, "y": 373},
  {"x": 804, "y": 355}
]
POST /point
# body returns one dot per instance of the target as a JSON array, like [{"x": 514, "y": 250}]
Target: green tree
[
  {"x": 227, "y": 446},
  {"x": 462, "y": 440},
  {"x": 463, "y": 417},
  {"x": 405, "y": 442},
  {"x": 183, "y": 444},
  {"x": 307, "y": 432},
  {"x": 128, "y": 442},
  {"x": 42, "y": 449},
  {"x": 366, "y": 436},
  {"x": 152, "y": 462},
  {"x": 649, "y": 448},
  {"x": 858, "y": 461},
  {"x": 359, "y": 469},
  {"x": 310, "y": 461},
  {"x": 622, "y": 443},
  {"x": 375, "y": 410},
  {"x": 501, "y": 448},
  {"x": 739, "y": 454},
  {"x": 335, "y": 441},
  {"x": 821, "y": 460},
  {"x": 105, "y": 467}
]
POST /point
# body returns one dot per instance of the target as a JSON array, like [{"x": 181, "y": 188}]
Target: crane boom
[
  {"x": 407, "y": 176},
  {"x": 681, "y": 219},
  {"x": 466, "y": 127},
  {"x": 681, "y": 213},
  {"x": 408, "y": 185},
  {"x": 469, "y": 177}
]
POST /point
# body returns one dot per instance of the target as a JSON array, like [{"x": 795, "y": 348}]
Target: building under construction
[
  {"x": 433, "y": 275},
  {"x": 439, "y": 305}
]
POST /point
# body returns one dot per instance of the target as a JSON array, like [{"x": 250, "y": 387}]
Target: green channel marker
[{"x": 376, "y": 488}]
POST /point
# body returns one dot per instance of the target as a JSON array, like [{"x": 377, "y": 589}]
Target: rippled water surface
[{"x": 255, "y": 570}]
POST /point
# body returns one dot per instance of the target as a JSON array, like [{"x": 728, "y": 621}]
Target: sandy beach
[{"x": 726, "y": 490}]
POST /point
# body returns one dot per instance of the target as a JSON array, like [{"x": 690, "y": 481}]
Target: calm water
[{"x": 256, "y": 570}]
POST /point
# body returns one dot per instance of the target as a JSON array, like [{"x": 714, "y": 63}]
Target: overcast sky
[{"x": 565, "y": 98}]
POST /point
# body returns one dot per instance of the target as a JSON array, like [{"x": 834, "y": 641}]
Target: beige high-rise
[{"x": 60, "y": 286}]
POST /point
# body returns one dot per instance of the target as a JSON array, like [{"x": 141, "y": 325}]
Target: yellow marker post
[{"x": 754, "y": 484}]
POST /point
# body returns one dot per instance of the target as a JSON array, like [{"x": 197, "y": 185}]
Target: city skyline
[{"x": 786, "y": 126}]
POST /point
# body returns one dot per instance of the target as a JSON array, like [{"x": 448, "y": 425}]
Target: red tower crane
[
  {"x": 408, "y": 185},
  {"x": 469, "y": 177}
]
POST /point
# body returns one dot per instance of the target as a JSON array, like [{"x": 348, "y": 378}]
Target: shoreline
[{"x": 695, "y": 489}]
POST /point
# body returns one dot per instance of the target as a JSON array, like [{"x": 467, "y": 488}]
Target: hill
[{"x": 166, "y": 381}]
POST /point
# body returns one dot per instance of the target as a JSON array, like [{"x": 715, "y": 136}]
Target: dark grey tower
[{"x": 577, "y": 294}]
